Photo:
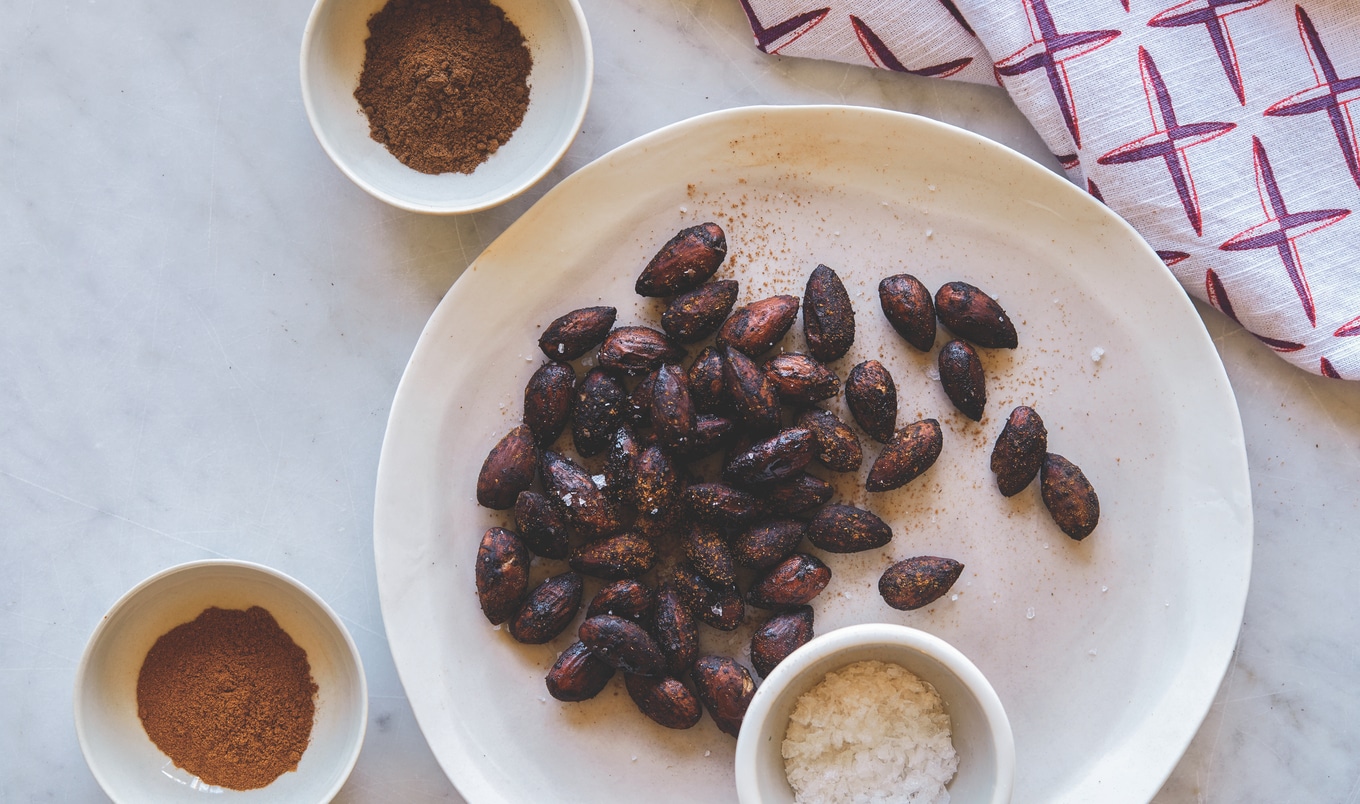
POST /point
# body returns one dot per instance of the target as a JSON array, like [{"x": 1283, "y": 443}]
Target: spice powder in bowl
[
  {"x": 873, "y": 732},
  {"x": 229, "y": 697},
  {"x": 444, "y": 82}
]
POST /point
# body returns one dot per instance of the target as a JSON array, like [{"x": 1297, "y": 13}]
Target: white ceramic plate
[{"x": 1106, "y": 653}]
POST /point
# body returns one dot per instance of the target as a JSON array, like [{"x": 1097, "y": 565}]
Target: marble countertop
[{"x": 202, "y": 324}]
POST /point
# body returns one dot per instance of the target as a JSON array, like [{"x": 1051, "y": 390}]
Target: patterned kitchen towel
[{"x": 1225, "y": 131}]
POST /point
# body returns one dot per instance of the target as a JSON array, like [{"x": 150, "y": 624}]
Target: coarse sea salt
[{"x": 872, "y": 732}]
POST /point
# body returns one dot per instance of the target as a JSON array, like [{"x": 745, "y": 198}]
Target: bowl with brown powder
[
  {"x": 221, "y": 676},
  {"x": 446, "y": 106}
]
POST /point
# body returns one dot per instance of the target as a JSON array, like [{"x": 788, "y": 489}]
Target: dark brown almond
[
  {"x": 708, "y": 553},
  {"x": 767, "y": 544},
  {"x": 962, "y": 378},
  {"x": 677, "y": 634},
  {"x": 695, "y": 315},
  {"x": 597, "y": 412},
  {"x": 755, "y": 328},
  {"x": 798, "y": 495},
  {"x": 847, "y": 529},
  {"x": 637, "y": 350},
  {"x": 547, "y": 401},
  {"x": 502, "y": 574},
  {"x": 722, "y": 504},
  {"x": 628, "y": 598},
  {"x": 777, "y": 637},
  {"x": 576, "y": 333},
  {"x": 639, "y": 408},
  {"x": 916, "y": 582},
  {"x": 548, "y": 609},
  {"x": 801, "y": 379},
  {"x": 626, "y": 555},
  {"x": 872, "y": 396},
  {"x": 508, "y": 469},
  {"x": 620, "y": 481},
  {"x": 908, "y": 307},
  {"x": 903, "y": 459},
  {"x": 672, "y": 409},
  {"x": 572, "y": 488},
  {"x": 726, "y": 689},
  {"x": 1019, "y": 450},
  {"x": 792, "y": 582},
  {"x": 835, "y": 445},
  {"x": 656, "y": 489},
  {"x": 710, "y": 434},
  {"x": 753, "y": 395},
  {"x": 624, "y": 644},
  {"x": 685, "y": 262},
  {"x": 707, "y": 381},
  {"x": 771, "y": 460},
  {"x": 974, "y": 316},
  {"x": 665, "y": 700},
  {"x": 541, "y": 525},
  {"x": 578, "y": 674},
  {"x": 718, "y": 606},
  {"x": 828, "y": 315},
  {"x": 1069, "y": 497}
]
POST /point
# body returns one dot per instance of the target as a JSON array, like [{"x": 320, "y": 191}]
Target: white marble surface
[{"x": 202, "y": 323}]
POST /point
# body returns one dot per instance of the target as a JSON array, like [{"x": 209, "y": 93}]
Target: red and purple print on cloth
[{"x": 1238, "y": 116}]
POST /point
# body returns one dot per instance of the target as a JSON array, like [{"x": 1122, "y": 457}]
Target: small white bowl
[
  {"x": 981, "y": 730},
  {"x": 559, "y": 91},
  {"x": 123, "y": 759}
]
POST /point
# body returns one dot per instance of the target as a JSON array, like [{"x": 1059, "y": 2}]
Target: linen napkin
[{"x": 1225, "y": 131}]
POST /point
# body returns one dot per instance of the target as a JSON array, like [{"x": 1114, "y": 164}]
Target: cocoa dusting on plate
[{"x": 444, "y": 82}]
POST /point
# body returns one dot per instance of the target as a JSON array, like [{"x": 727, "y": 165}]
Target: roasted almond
[
  {"x": 726, "y": 689},
  {"x": 541, "y": 525},
  {"x": 677, "y": 634},
  {"x": 685, "y": 262},
  {"x": 792, "y": 582},
  {"x": 718, "y": 606},
  {"x": 597, "y": 411},
  {"x": 1019, "y": 451},
  {"x": 656, "y": 489},
  {"x": 872, "y": 396},
  {"x": 909, "y": 454},
  {"x": 828, "y": 315},
  {"x": 835, "y": 445},
  {"x": 624, "y": 644},
  {"x": 767, "y": 544},
  {"x": 801, "y": 379},
  {"x": 777, "y": 637},
  {"x": 548, "y": 609},
  {"x": 707, "y": 551},
  {"x": 508, "y": 469},
  {"x": 722, "y": 504},
  {"x": 1069, "y": 497},
  {"x": 547, "y": 401},
  {"x": 908, "y": 307},
  {"x": 755, "y": 328},
  {"x": 502, "y": 574},
  {"x": 637, "y": 350},
  {"x": 576, "y": 333},
  {"x": 571, "y": 487},
  {"x": 578, "y": 674},
  {"x": 626, "y": 555},
  {"x": 798, "y": 495},
  {"x": 672, "y": 410},
  {"x": 754, "y": 398},
  {"x": 628, "y": 598},
  {"x": 917, "y": 582},
  {"x": 665, "y": 700},
  {"x": 771, "y": 460},
  {"x": 711, "y": 432},
  {"x": 707, "y": 382},
  {"x": 974, "y": 316},
  {"x": 847, "y": 529},
  {"x": 962, "y": 378},
  {"x": 620, "y": 480},
  {"x": 697, "y": 314}
]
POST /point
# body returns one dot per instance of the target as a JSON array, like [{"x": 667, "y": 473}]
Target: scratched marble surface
[{"x": 202, "y": 323}]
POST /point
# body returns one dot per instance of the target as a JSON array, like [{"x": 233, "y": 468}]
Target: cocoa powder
[
  {"x": 228, "y": 697},
  {"x": 444, "y": 82}
]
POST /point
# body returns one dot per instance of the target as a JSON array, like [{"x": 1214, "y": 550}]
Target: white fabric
[{"x": 1225, "y": 131}]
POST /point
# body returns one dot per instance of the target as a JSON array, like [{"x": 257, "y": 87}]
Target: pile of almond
[{"x": 699, "y": 502}]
